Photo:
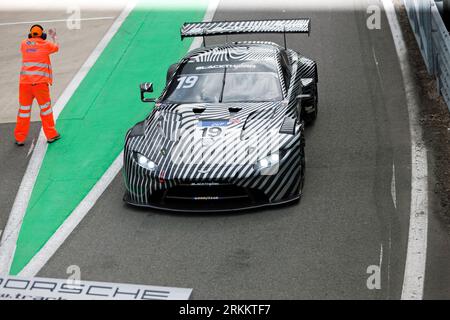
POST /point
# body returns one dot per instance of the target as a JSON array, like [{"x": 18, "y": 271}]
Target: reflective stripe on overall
[{"x": 27, "y": 93}]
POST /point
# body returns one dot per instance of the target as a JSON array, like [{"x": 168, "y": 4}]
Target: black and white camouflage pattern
[
  {"x": 196, "y": 29},
  {"x": 168, "y": 137}
]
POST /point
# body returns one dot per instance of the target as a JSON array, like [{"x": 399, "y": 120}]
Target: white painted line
[
  {"x": 73, "y": 85},
  {"x": 14, "y": 224},
  {"x": 375, "y": 59},
  {"x": 377, "y": 64},
  {"x": 58, "y": 238},
  {"x": 381, "y": 255},
  {"x": 393, "y": 187},
  {"x": 11, "y": 232},
  {"x": 64, "y": 231},
  {"x": 31, "y": 148},
  {"x": 55, "y": 20},
  {"x": 414, "y": 277},
  {"x": 209, "y": 15}
]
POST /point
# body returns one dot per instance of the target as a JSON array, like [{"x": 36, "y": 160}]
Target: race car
[{"x": 227, "y": 131}]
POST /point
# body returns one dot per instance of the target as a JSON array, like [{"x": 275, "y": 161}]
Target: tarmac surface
[
  {"x": 319, "y": 248},
  {"x": 354, "y": 213},
  {"x": 75, "y": 47}
]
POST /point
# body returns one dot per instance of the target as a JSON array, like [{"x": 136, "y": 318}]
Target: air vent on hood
[
  {"x": 138, "y": 130},
  {"x": 234, "y": 109},
  {"x": 168, "y": 124},
  {"x": 198, "y": 110},
  {"x": 257, "y": 116}
]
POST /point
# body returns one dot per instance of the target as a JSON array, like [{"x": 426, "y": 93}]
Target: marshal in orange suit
[{"x": 35, "y": 79}]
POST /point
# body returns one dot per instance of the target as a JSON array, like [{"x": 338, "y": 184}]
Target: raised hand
[{"x": 52, "y": 33}]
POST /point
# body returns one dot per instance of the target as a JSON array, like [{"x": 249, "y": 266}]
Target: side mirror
[{"x": 146, "y": 87}]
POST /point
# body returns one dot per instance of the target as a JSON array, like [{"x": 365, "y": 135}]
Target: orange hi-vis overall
[{"x": 35, "y": 78}]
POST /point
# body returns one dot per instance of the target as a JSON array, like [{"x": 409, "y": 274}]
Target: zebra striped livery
[
  {"x": 224, "y": 155},
  {"x": 196, "y": 29}
]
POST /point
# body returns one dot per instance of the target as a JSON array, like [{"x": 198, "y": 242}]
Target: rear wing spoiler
[{"x": 203, "y": 29}]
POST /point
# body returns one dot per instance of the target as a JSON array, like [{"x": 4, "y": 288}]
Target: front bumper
[
  {"x": 226, "y": 204},
  {"x": 221, "y": 189}
]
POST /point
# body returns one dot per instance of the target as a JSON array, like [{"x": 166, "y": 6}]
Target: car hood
[{"x": 225, "y": 134}]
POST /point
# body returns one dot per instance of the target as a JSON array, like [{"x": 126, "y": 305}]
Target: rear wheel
[{"x": 446, "y": 14}]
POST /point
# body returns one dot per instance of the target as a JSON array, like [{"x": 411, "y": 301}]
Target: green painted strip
[{"x": 95, "y": 120}]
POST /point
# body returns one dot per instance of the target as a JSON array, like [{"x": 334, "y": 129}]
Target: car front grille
[{"x": 208, "y": 196}]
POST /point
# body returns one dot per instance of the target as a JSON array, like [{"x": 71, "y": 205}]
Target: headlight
[
  {"x": 269, "y": 164},
  {"x": 269, "y": 161},
  {"x": 144, "y": 162},
  {"x": 264, "y": 163}
]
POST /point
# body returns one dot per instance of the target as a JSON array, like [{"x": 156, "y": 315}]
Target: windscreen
[{"x": 225, "y": 82}]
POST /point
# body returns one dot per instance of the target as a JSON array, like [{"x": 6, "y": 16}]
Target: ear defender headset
[{"x": 37, "y": 31}]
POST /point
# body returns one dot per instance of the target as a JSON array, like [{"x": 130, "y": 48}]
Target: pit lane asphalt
[
  {"x": 75, "y": 47},
  {"x": 319, "y": 248}
]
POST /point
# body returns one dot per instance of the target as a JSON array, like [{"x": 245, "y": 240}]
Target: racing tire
[{"x": 446, "y": 14}]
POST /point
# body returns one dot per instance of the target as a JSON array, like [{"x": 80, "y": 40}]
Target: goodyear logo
[{"x": 206, "y": 198}]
